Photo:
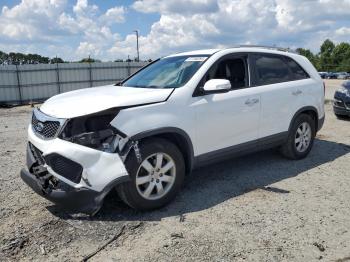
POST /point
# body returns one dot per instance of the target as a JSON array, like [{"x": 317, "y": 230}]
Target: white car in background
[
  {"x": 180, "y": 112},
  {"x": 343, "y": 75}
]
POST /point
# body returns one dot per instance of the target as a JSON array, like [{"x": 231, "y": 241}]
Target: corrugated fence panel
[
  {"x": 74, "y": 76},
  {"x": 136, "y": 67},
  {"x": 37, "y": 81},
  {"x": 8, "y": 83},
  {"x": 26, "y": 83}
]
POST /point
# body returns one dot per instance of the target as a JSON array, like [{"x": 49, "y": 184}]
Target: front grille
[
  {"x": 47, "y": 129},
  {"x": 347, "y": 104},
  {"x": 64, "y": 167}
]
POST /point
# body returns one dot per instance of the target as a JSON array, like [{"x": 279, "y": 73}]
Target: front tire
[
  {"x": 300, "y": 138},
  {"x": 157, "y": 179}
]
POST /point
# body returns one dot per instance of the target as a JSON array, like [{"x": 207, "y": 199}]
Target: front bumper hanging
[
  {"x": 80, "y": 183},
  {"x": 38, "y": 178},
  {"x": 78, "y": 200}
]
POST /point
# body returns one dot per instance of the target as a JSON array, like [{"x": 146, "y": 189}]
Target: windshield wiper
[
  {"x": 151, "y": 86},
  {"x": 154, "y": 86}
]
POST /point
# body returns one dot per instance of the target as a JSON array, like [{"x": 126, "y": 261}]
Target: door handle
[
  {"x": 252, "y": 101},
  {"x": 297, "y": 92}
]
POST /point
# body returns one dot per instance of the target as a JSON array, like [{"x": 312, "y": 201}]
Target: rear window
[
  {"x": 297, "y": 71},
  {"x": 272, "y": 69}
]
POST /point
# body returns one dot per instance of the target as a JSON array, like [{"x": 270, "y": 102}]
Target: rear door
[{"x": 281, "y": 82}]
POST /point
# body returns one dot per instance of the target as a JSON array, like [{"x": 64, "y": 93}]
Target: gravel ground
[
  {"x": 260, "y": 207},
  {"x": 331, "y": 86}
]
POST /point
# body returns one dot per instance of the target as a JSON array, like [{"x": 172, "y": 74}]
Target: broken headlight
[{"x": 94, "y": 131}]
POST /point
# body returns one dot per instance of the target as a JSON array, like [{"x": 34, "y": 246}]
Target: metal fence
[{"x": 20, "y": 84}]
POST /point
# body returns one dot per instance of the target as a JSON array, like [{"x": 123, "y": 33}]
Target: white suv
[{"x": 141, "y": 136}]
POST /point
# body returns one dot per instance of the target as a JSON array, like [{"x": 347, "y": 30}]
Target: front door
[{"x": 227, "y": 119}]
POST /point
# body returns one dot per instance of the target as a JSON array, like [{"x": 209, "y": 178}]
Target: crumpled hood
[{"x": 91, "y": 100}]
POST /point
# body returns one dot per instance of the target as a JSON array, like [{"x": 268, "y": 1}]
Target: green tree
[
  {"x": 314, "y": 59},
  {"x": 326, "y": 56},
  {"x": 89, "y": 60},
  {"x": 341, "y": 57},
  {"x": 56, "y": 60}
]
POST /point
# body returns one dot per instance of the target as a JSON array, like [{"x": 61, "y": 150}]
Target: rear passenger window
[
  {"x": 270, "y": 69},
  {"x": 298, "y": 72}
]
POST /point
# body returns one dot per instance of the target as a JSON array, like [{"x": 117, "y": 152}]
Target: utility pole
[{"x": 137, "y": 45}]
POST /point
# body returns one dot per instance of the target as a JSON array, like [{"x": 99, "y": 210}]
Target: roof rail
[{"x": 283, "y": 49}]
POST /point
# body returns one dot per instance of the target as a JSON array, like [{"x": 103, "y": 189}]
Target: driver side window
[{"x": 233, "y": 69}]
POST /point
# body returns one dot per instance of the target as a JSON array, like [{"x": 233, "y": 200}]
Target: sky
[{"x": 74, "y": 29}]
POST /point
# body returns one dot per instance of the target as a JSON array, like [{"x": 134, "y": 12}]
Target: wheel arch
[
  {"x": 175, "y": 135},
  {"x": 309, "y": 110}
]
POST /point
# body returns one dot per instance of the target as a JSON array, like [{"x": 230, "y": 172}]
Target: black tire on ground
[
  {"x": 128, "y": 191},
  {"x": 289, "y": 149}
]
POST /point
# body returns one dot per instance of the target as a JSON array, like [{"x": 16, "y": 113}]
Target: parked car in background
[
  {"x": 331, "y": 75},
  {"x": 178, "y": 113},
  {"x": 342, "y": 75},
  {"x": 341, "y": 104},
  {"x": 323, "y": 75}
]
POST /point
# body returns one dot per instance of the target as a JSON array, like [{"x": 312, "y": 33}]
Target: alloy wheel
[
  {"x": 155, "y": 176},
  {"x": 303, "y": 137}
]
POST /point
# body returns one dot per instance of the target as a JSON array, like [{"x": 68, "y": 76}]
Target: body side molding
[{"x": 241, "y": 149}]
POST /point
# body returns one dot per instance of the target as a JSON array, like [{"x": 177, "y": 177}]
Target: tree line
[
  {"x": 20, "y": 59},
  {"x": 331, "y": 57}
]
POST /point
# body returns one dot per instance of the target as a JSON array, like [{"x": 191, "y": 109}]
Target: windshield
[{"x": 171, "y": 72}]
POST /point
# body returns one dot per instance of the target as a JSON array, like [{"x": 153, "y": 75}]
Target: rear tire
[
  {"x": 300, "y": 138},
  {"x": 157, "y": 179}
]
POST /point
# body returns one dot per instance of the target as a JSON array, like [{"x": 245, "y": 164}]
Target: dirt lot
[
  {"x": 261, "y": 207},
  {"x": 331, "y": 86}
]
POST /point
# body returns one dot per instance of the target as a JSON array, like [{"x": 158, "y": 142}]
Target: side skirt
[{"x": 240, "y": 149}]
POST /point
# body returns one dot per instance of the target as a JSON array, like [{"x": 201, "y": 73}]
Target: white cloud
[
  {"x": 182, "y": 25},
  {"x": 343, "y": 31},
  {"x": 83, "y": 8},
  {"x": 176, "y": 6},
  {"x": 114, "y": 15},
  {"x": 47, "y": 21},
  {"x": 26, "y": 20},
  {"x": 195, "y": 24}
]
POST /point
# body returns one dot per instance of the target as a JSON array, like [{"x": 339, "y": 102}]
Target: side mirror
[{"x": 217, "y": 86}]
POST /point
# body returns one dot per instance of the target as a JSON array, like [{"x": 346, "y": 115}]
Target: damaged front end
[
  {"x": 78, "y": 165},
  {"x": 45, "y": 184},
  {"x": 95, "y": 131}
]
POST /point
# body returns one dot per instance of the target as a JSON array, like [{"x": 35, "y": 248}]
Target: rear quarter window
[
  {"x": 272, "y": 69},
  {"x": 297, "y": 71}
]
